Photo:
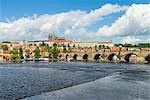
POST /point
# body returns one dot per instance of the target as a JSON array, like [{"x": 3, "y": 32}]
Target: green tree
[
  {"x": 48, "y": 50},
  {"x": 54, "y": 51},
  {"x": 14, "y": 54},
  {"x": 37, "y": 52},
  {"x": 4, "y": 47},
  {"x": 144, "y": 45},
  {"x": 27, "y": 54},
  {"x": 21, "y": 53}
]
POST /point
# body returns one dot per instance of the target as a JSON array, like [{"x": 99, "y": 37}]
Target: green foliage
[
  {"x": 27, "y": 54},
  {"x": 139, "y": 45},
  {"x": 4, "y": 47},
  {"x": 144, "y": 45},
  {"x": 47, "y": 48},
  {"x": 37, "y": 52},
  {"x": 15, "y": 54},
  {"x": 54, "y": 51},
  {"x": 21, "y": 53}
]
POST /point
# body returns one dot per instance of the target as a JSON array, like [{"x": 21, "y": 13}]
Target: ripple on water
[{"x": 27, "y": 79}]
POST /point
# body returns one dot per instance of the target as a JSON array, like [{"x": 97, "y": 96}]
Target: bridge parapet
[{"x": 140, "y": 55}]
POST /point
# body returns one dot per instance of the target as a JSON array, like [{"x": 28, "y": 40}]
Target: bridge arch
[
  {"x": 128, "y": 56},
  {"x": 147, "y": 58},
  {"x": 75, "y": 57},
  {"x": 113, "y": 56},
  {"x": 85, "y": 57},
  {"x": 97, "y": 57}
]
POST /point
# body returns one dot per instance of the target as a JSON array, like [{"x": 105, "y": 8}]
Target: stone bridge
[{"x": 107, "y": 56}]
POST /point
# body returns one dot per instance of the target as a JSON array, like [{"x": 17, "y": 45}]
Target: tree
[
  {"x": 47, "y": 50},
  {"x": 4, "y": 47},
  {"x": 144, "y": 45},
  {"x": 54, "y": 51},
  {"x": 15, "y": 54},
  {"x": 37, "y": 52},
  {"x": 21, "y": 53},
  {"x": 27, "y": 54}
]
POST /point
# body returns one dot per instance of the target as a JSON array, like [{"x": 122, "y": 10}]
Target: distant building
[
  {"x": 61, "y": 43},
  {"x": 38, "y": 42},
  {"x": 92, "y": 44},
  {"x": 10, "y": 44},
  {"x": 69, "y": 43},
  {"x": 109, "y": 44}
]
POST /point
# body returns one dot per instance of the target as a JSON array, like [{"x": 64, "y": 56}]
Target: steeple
[{"x": 52, "y": 37}]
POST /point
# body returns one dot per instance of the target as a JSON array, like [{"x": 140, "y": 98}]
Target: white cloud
[
  {"x": 71, "y": 24},
  {"x": 136, "y": 21},
  {"x": 148, "y": 40},
  {"x": 74, "y": 24},
  {"x": 130, "y": 39}
]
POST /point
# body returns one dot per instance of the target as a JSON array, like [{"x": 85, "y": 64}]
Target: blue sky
[
  {"x": 20, "y": 8},
  {"x": 11, "y": 10}
]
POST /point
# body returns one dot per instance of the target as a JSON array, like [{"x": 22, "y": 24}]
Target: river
[{"x": 74, "y": 81}]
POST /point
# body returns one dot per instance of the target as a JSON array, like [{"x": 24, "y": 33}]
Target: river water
[{"x": 74, "y": 81}]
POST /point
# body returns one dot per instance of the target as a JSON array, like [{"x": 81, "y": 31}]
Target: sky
[{"x": 122, "y": 21}]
